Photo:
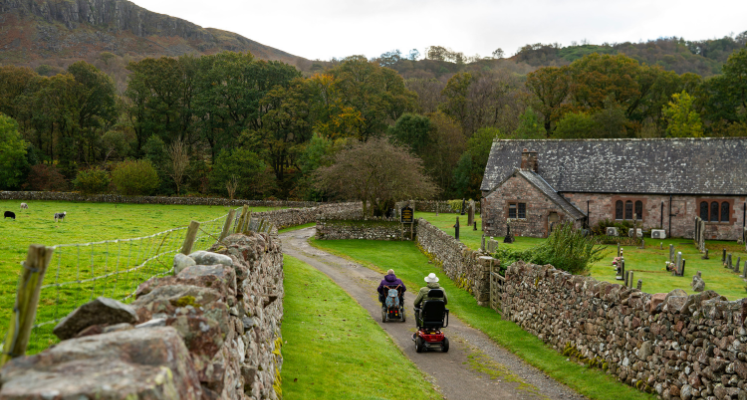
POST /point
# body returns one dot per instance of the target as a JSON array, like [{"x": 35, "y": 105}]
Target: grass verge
[
  {"x": 411, "y": 266},
  {"x": 333, "y": 348}
]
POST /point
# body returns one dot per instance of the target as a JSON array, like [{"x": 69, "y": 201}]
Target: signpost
[{"x": 407, "y": 216}]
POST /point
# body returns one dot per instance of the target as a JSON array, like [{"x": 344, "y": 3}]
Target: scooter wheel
[
  {"x": 419, "y": 346},
  {"x": 383, "y": 315},
  {"x": 445, "y": 346}
]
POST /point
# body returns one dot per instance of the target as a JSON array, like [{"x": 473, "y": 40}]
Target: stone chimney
[{"x": 529, "y": 160}]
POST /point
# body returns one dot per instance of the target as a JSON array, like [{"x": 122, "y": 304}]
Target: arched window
[
  {"x": 724, "y": 212},
  {"x": 704, "y": 210},
  {"x": 714, "y": 211},
  {"x": 619, "y": 209},
  {"x": 628, "y": 209},
  {"x": 639, "y": 209}
]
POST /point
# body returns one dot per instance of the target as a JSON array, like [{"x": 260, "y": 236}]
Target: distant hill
[
  {"x": 703, "y": 57},
  {"x": 32, "y": 31}
]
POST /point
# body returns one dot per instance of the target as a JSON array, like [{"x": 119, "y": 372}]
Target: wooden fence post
[
  {"x": 241, "y": 219},
  {"x": 189, "y": 239},
  {"x": 247, "y": 222},
  {"x": 27, "y": 299},
  {"x": 227, "y": 225}
]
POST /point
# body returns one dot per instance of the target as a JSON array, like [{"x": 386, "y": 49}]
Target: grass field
[
  {"x": 334, "y": 349},
  {"x": 90, "y": 222},
  {"x": 647, "y": 264},
  {"x": 411, "y": 266}
]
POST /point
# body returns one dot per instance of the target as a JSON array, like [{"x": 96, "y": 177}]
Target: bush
[
  {"x": 566, "y": 249},
  {"x": 92, "y": 181},
  {"x": 456, "y": 205},
  {"x": 622, "y": 227},
  {"x": 43, "y": 177},
  {"x": 135, "y": 178}
]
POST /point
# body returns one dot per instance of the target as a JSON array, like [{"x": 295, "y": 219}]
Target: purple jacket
[{"x": 392, "y": 281}]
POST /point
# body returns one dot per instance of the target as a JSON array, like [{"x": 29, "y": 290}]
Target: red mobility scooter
[{"x": 430, "y": 318}]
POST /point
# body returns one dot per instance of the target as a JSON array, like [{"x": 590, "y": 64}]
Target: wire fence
[{"x": 78, "y": 273}]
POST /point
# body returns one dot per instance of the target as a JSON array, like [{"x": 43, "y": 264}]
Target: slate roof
[
  {"x": 695, "y": 166},
  {"x": 545, "y": 188}
]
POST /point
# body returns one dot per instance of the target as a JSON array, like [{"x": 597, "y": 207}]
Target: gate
[{"x": 497, "y": 283}]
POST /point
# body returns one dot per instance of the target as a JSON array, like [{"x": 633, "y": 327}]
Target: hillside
[
  {"x": 703, "y": 57},
  {"x": 33, "y": 31}
]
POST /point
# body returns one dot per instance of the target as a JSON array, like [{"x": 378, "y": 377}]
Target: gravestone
[
  {"x": 640, "y": 284},
  {"x": 625, "y": 278},
  {"x": 630, "y": 279},
  {"x": 621, "y": 271},
  {"x": 456, "y": 229},
  {"x": 728, "y": 261},
  {"x": 509, "y": 235},
  {"x": 482, "y": 246},
  {"x": 463, "y": 206},
  {"x": 661, "y": 245},
  {"x": 736, "y": 266},
  {"x": 678, "y": 263},
  {"x": 682, "y": 270},
  {"x": 471, "y": 213},
  {"x": 723, "y": 256},
  {"x": 643, "y": 243},
  {"x": 671, "y": 253},
  {"x": 744, "y": 270},
  {"x": 705, "y": 256},
  {"x": 618, "y": 250},
  {"x": 698, "y": 283}
]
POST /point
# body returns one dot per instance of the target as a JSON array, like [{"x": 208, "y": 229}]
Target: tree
[
  {"x": 179, "y": 157},
  {"x": 13, "y": 164},
  {"x": 682, "y": 119},
  {"x": 378, "y": 94},
  {"x": 498, "y": 53},
  {"x": 529, "y": 126},
  {"x": 413, "y": 131},
  {"x": 375, "y": 172},
  {"x": 135, "y": 178},
  {"x": 254, "y": 181},
  {"x": 14, "y": 82},
  {"x": 469, "y": 171},
  {"x": 446, "y": 144},
  {"x": 726, "y": 95},
  {"x": 46, "y": 177},
  {"x": 413, "y": 55},
  {"x": 550, "y": 87}
]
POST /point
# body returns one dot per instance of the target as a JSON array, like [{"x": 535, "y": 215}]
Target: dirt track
[{"x": 454, "y": 373}]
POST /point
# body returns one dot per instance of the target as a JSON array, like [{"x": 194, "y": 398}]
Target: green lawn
[
  {"x": 471, "y": 238},
  {"x": 89, "y": 222},
  {"x": 411, "y": 266},
  {"x": 647, "y": 264},
  {"x": 334, "y": 349}
]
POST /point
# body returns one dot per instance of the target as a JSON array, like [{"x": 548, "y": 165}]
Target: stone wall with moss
[
  {"x": 469, "y": 269},
  {"x": 372, "y": 228},
  {"x": 670, "y": 344},
  {"x": 211, "y": 331}
]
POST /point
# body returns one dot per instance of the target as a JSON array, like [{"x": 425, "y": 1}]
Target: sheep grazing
[
  {"x": 9, "y": 214},
  {"x": 59, "y": 216},
  {"x": 24, "y": 206}
]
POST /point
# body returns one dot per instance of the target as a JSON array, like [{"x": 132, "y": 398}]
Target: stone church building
[{"x": 664, "y": 183}]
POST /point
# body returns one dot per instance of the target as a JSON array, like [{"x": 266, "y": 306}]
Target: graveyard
[{"x": 646, "y": 264}]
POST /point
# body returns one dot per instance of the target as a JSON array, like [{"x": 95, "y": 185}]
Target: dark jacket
[
  {"x": 423, "y": 294},
  {"x": 392, "y": 281}
]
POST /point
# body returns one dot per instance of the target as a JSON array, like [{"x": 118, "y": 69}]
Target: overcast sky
[{"x": 337, "y": 28}]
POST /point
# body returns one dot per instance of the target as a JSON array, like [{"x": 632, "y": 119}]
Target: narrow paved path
[{"x": 474, "y": 368}]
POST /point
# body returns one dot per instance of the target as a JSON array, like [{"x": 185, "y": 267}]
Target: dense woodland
[{"x": 232, "y": 125}]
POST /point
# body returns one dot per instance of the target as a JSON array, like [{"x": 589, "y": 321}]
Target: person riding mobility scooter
[
  {"x": 430, "y": 316},
  {"x": 391, "y": 295}
]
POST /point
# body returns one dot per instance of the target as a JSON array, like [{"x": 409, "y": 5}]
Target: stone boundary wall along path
[
  {"x": 431, "y": 205},
  {"x": 113, "y": 198},
  {"x": 674, "y": 345},
  {"x": 299, "y": 216},
  {"x": 370, "y": 229},
  {"x": 210, "y": 332},
  {"x": 469, "y": 269}
]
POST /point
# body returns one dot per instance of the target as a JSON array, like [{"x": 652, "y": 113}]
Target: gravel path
[{"x": 474, "y": 368}]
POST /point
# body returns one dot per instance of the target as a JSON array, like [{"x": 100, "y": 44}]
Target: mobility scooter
[
  {"x": 430, "y": 318},
  {"x": 393, "y": 309}
]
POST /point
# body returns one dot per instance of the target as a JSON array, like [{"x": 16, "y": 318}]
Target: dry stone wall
[
  {"x": 114, "y": 198},
  {"x": 212, "y": 331},
  {"x": 431, "y": 206},
  {"x": 369, "y": 229},
  {"x": 673, "y": 345},
  {"x": 469, "y": 269},
  {"x": 299, "y": 216}
]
